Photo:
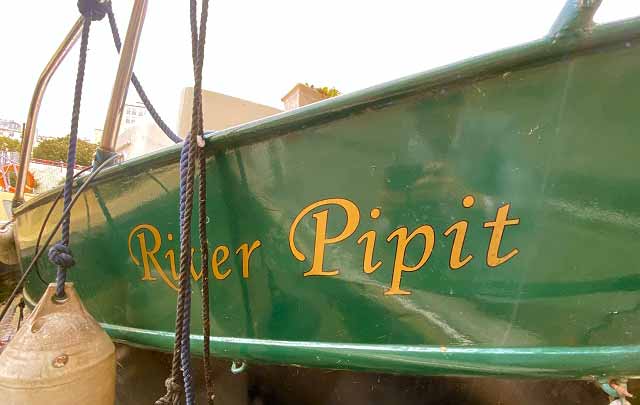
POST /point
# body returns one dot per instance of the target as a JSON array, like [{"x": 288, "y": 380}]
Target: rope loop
[
  {"x": 61, "y": 255},
  {"x": 94, "y": 9}
]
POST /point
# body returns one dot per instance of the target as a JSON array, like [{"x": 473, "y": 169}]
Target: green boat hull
[{"x": 480, "y": 219}]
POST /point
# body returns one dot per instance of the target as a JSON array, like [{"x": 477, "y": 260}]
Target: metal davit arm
[
  {"x": 114, "y": 114},
  {"x": 29, "y": 132},
  {"x": 576, "y": 15},
  {"x": 121, "y": 84}
]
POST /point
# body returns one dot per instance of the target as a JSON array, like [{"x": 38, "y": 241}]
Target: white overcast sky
[{"x": 258, "y": 50}]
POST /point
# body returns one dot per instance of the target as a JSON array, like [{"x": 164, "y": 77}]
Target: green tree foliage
[
  {"x": 325, "y": 91},
  {"x": 9, "y": 144},
  {"x": 57, "y": 148}
]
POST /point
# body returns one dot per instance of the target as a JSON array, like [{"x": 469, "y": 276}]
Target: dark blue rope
[
  {"x": 185, "y": 284},
  {"x": 60, "y": 254},
  {"x": 182, "y": 351}
]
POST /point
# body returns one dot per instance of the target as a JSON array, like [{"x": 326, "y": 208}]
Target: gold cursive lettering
[
  {"x": 145, "y": 244},
  {"x": 321, "y": 239},
  {"x": 460, "y": 229},
  {"x": 171, "y": 257},
  {"x": 401, "y": 246},
  {"x": 217, "y": 261},
  {"x": 370, "y": 237},
  {"x": 493, "y": 253},
  {"x": 148, "y": 255},
  {"x": 246, "y": 255}
]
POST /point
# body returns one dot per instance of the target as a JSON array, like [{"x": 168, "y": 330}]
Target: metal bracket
[{"x": 238, "y": 369}]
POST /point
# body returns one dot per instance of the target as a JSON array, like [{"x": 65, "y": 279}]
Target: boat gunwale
[
  {"x": 579, "y": 362},
  {"x": 546, "y": 49}
]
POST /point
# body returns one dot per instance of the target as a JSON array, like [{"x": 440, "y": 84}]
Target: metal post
[
  {"x": 29, "y": 132},
  {"x": 121, "y": 85},
  {"x": 576, "y": 15}
]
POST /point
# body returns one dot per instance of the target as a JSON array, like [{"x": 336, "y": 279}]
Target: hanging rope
[
  {"x": 204, "y": 248},
  {"x": 181, "y": 363},
  {"x": 187, "y": 169},
  {"x": 46, "y": 220},
  {"x": 93, "y": 10},
  {"x": 136, "y": 83},
  {"x": 197, "y": 52},
  {"x": 181, "y": 371},
  {"x": 60, "y": 254},
  {"x": 197, "y": 127}
]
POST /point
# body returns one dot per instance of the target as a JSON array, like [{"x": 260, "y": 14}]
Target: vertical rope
[
  {"x": 197, "y": 128},
  {"x": 204, "y": 249},
  {"x": 197, "y": 48},
  {"x": 186, "y": 210},
  {"x": 182, "y": 351},
  {"x": 183, "y": 305},
  {"x": 60, "y": 253}
]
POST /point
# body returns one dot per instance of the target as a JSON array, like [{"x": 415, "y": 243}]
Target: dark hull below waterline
[
  {"x": 285, "y": 385},
  {"x": 500, "y": 196}
]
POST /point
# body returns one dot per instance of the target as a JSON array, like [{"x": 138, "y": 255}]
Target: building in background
[
  {"x": 301, "y": 95},
  {"x": 11, "y": 129},
  {"x": 220, "y": 111},
  {"x": 132, "y": 114}
]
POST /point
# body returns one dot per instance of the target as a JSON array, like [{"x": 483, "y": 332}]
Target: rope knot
[
  {"x": 173, "y": 393},
  {"x": 61, "y": 255},
  {"x": 172, "y": 386},
  {"x": 94, "y": 9}
]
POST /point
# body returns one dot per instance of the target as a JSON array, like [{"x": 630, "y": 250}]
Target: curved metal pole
[
  {"x": 29, "y": 132},
  {"x": 121, "y": 84},
  {"x": 576, "y": 15}
]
